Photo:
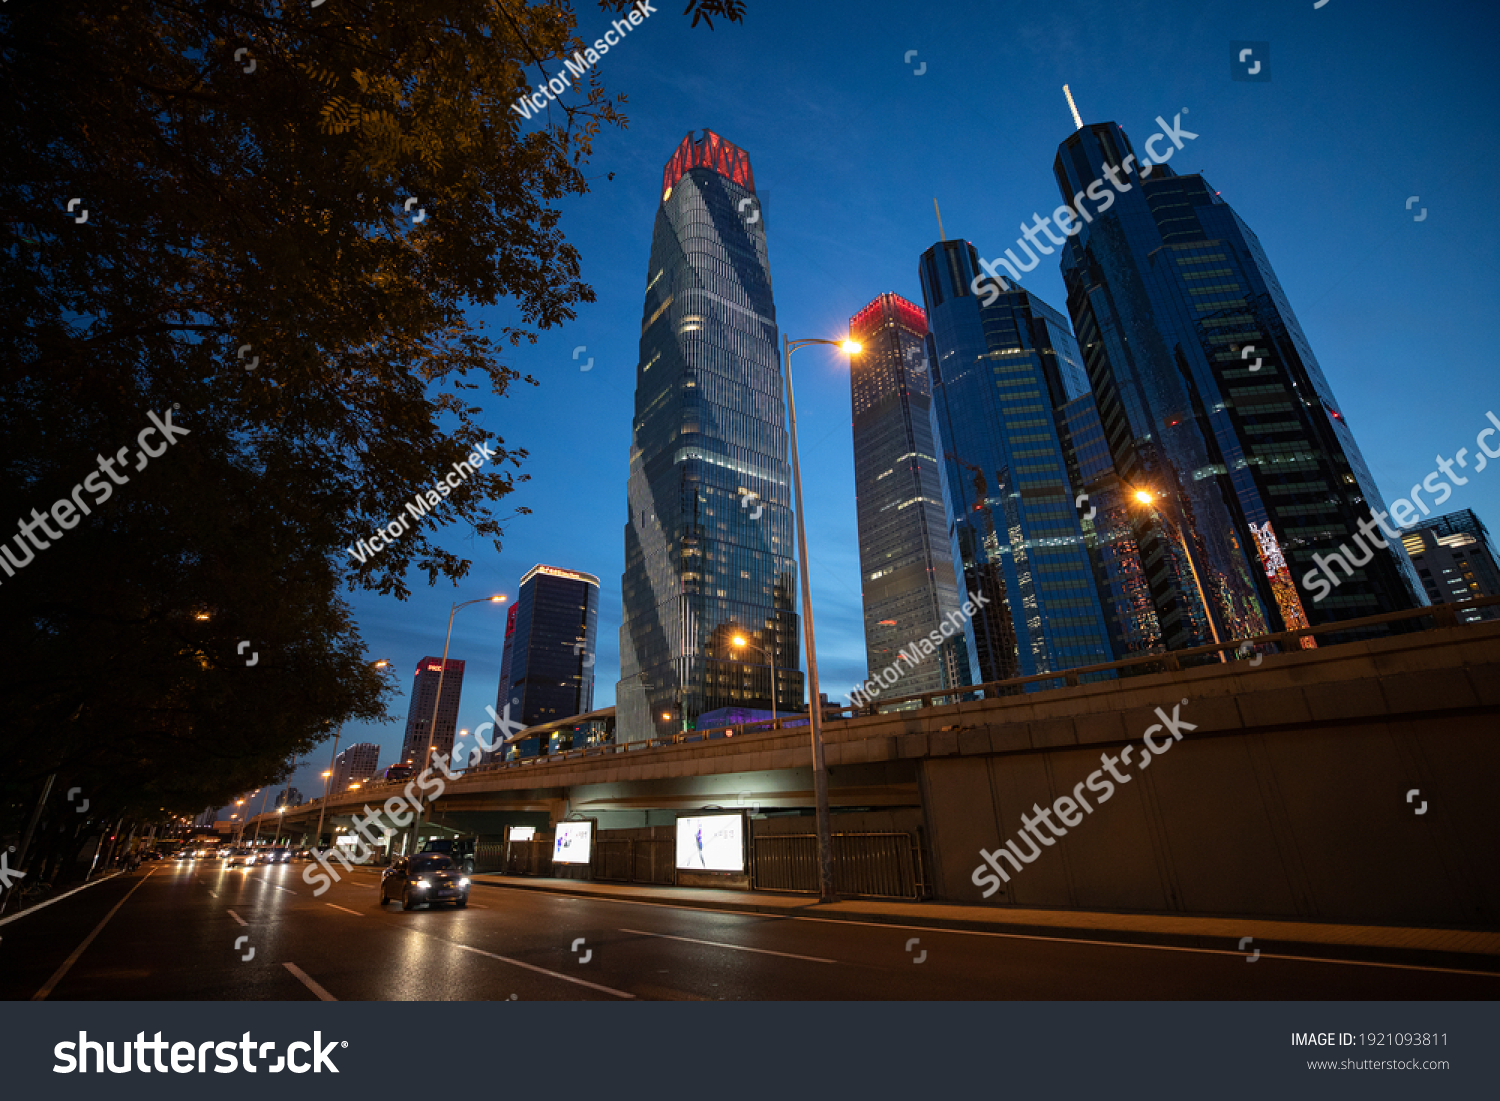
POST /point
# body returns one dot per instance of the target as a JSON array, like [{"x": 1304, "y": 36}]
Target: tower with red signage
[
  {"x": 424, "y": 691},
  {"x": 708, "y": 536},
  {"x": 907, "y": 578}
]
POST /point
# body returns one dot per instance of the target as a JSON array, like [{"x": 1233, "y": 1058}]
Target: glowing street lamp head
[
  {"x": 498, "y": 598},
  {"x": 1143, "y": 497},
  {"x": 666, "y": 715},
  {"x": 738, "y": 640},
  {"x": 852, "y": 347}
]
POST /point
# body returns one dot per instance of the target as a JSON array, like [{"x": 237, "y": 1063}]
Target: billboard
[
  {"x": 711, "y": 842},
  {"x": 523, "y": 833},
  {"x": 573, "y": 842}
]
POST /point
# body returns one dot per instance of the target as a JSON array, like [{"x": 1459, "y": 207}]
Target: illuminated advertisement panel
[
  {"x": 711, "y": 843},
  {"x": 572, "y": 843},
  {"x": 523, "y": 833}
]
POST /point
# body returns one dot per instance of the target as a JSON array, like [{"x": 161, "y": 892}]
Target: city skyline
[{"x": 832, "y": 247}]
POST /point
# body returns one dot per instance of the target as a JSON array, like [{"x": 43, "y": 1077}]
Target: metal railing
[
  {"x": 1442, "y": 615},
  {"x": 635, "y": 860},
  {"x": 870, "y": 865}
]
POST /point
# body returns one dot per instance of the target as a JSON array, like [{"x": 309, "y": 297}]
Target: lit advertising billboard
[
  {"x": 523, "y": 833},
  {"x": 572, "y": 843},
  {"x": 711, "y": 843}
]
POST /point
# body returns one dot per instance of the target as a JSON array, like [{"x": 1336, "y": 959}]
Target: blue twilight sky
[{"x": 1368, "y": 104}]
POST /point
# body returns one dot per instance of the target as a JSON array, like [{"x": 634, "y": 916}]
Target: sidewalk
[{"x": 1162, "y": 929}]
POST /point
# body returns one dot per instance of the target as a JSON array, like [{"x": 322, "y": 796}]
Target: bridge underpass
[{"x": 1288, "y": 798}]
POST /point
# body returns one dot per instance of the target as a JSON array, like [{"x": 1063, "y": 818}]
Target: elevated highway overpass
[{"x": 1286, "y": 794}]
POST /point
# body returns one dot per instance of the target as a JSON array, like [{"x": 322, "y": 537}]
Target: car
[
  {"x": 426, "y": 877},
  {"x": 241, "y": 857},
  {"x": 460, "y": 849},
  {"x": 278, "y": 856}
]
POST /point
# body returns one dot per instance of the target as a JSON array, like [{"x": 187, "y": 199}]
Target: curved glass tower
[{"x": 708, "y": 542}]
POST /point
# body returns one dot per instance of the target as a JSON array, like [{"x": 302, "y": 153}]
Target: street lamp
[
  {"x": 256, "y": 839},
  {"x": 814, "y": 700},
  {"x": 332, "y": 763},
  {"x": 742, "y": 643},
  {"x": 1149, "y": 500},
  {"x": 498, "y": 598}
]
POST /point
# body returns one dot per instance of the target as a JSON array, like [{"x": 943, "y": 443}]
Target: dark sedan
[{"x": 426, "y": 877}]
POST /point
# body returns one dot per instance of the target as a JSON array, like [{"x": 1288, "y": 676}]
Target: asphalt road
[{"x": 173, "y": 932}]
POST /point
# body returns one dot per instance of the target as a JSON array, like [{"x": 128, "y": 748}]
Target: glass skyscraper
[
  {"x": 906, "y": 568},
  {"x": 708, "y": 541},
  {"x": 999, "y": 374},
  {"x": 419, "y": 712},
  {"x": 547, "y": 671},
  {"x": 1106, "y": 511},
  {"x": 1211, "y": 400}
]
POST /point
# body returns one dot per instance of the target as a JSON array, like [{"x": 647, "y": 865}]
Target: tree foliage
[{"x": 287, "y": 259}]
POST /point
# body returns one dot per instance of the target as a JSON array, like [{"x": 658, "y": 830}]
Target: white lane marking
[
  {"x": 543, "y": 970},
  {"x": 59, "y": 898},
  {"x": 57, "y": 976},
  {"x": 477, "y": 906},
  {"x": 736, "y": 947},
  {"x": 346, "y": 909},
  {"x": 1021, "y": 936},
  {"x": 237, "y": 917},
  {"x": 309, "y": 982},
  {"x": 290, "y": 892}
]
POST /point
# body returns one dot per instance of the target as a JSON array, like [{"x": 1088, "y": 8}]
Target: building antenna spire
[
  {"x": 1077, "y": 121},
  {"x": 941, "y": 235}
]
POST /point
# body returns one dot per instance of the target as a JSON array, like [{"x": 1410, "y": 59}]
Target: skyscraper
[
  {"x": 424, "y": 691},
  {"x": 708, "y": 541},
  {"x": 1455, "y": 560},
  {"x": 503, "y": 694},
  {"x": 359, "y": 762},
  {"x": 1211, "y": 400},
  {"x": 1001, "y": 368},
  {"x": 906, "y": 566},
  {"x": 547, "y": 672},
  {"x": 1107, "y": 513}
]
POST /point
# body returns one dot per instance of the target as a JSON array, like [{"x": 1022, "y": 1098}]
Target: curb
[{"x": 1471, "y": 962}]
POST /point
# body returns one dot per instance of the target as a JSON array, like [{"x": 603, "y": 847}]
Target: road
[{"x": 174, "y": 932}]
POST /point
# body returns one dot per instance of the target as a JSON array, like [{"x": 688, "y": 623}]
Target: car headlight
[
  {"x": 422, "y": 884},
  {"x": 463, "y": 882}
]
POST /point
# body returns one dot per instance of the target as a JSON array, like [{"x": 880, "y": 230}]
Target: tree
[{"x": 285, "y": 214}]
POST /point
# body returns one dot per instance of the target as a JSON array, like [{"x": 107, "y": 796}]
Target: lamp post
[
  {"x": 332, "y": 761},
  {"x": 1148, "y": 499},
  {"x": 498, "y": 598},
  {"x": 814, "y": 699},
  {"x": 256, "y": 839},
  {"x": 741, "y": 642},
  {"x": 327, "y": 783}
]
